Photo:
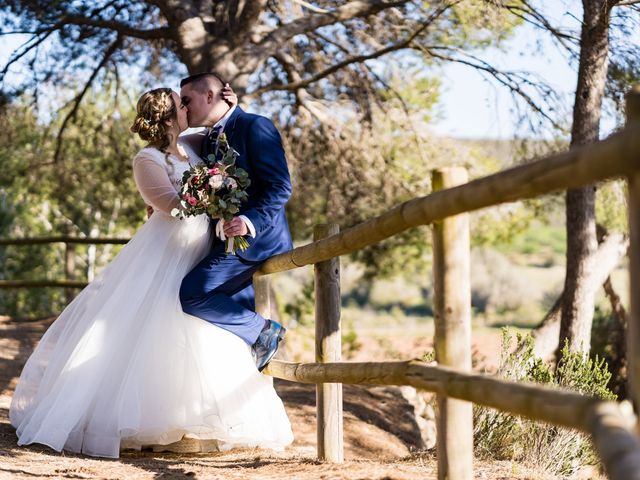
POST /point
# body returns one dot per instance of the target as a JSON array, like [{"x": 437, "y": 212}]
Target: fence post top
[
  {"x": 451, "y": 168},
  {"x": 446, "y": 177}
]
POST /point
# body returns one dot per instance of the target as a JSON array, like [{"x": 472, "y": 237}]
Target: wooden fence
[
  {"x": 612, "y": 425},
  {"x": 70, "y": 284}
]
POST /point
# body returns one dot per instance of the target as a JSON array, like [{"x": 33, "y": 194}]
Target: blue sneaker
[{"x": 267, "y": 344}]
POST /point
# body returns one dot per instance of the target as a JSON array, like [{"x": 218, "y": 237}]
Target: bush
[
  {"x": 301, "y": 308},
  {"x": 555, "y": 450},
  {"x": 608, "y": 340}
]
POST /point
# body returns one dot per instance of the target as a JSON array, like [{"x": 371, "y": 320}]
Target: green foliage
[
  {"x": 358, "y": 169},
  {"x": 358, "y": 173},
  {"x": 89, "y": 192},
  {"x": 429, "y": 356},
  {"x": 362, "y": 173},
  {"x": 555, "y": 450},
  {"x": 478, "y": 24},
  {"x": 505, "y": 226},
  {"x": 501, "y": 224},
  {"x": 608, "y": 341},
  {"x": 611, "y": 206},
  {"x": 538, "y": 244},
  {"x": 301, "y": 308},
  {"x": 350, "y": 343}
]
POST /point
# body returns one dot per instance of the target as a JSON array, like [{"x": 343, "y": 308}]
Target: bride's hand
[{"x": 228, "y": 95}]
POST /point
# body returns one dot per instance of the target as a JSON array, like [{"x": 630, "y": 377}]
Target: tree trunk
[
  {"x": 579, "y": 293},
  {"x": 215, "y": 37},
  {"x": 611, "y": 249}
]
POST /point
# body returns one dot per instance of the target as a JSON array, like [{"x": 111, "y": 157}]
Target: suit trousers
[{"x": 220, "y": 290}]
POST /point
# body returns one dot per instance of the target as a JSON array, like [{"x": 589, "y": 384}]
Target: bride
[{"x": 123, "y": 366}]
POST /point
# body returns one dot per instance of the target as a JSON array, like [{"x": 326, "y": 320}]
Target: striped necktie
[{"x": 211, "y": 143}]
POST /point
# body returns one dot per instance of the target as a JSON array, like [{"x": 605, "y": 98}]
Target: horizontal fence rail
[
  {"x": 42, "y": 283},
  {"x": 560, "y": 407},
  {"x": 611, "y": 427},
  {"x": 613, "y": 157},
  {"x": 60, "y": 239},
  {"x": 69, "y": 283}
]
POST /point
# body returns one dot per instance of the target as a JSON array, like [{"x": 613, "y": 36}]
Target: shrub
[
  {"x": 608, "y": 340},
  {"x": 555, "y": 450},
  {"x": 301, "y": 308}
]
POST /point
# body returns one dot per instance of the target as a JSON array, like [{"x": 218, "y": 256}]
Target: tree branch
[
  {"x": 616, "y": 304},
  {"x": 405, "y": 110},
  {"x": 311, "y": 7},
  {"x": 303, "y": 98},
  {"x": 532, "y": 16},
  {"x": 78, "y": 98},
  {"x": 302, "y": 83},
  {"x": 121, "y": 28},
  {"x": 333, "y": 68},
  {"x": 504, "y": 78},
  {"x": 27, "y": 48},
  {"x": 353, "y": 9}
]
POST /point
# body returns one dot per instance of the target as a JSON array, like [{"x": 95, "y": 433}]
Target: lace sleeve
[{"x": 154, "y": 184}]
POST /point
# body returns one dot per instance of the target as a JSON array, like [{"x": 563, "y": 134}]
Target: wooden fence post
[
  {"x": 452, "y": 311},
  {"x": 633, "y": 331},
  {"x": 328, "y": 349},
  {"x": 261, "y": 285}
]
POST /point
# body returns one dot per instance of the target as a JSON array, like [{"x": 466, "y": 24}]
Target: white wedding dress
[{"x": 124, "y": 367}]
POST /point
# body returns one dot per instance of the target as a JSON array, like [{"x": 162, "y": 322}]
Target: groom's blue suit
[{"x": 219, "y": 289}]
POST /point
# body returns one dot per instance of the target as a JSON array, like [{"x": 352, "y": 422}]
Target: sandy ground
[{"x": 381, "y": 439}]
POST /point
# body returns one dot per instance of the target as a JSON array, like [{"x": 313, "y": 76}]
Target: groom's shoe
[{"x": 267, "y": 343}]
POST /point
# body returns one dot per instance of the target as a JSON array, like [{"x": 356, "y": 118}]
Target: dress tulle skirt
[{"x": 124, "y": 367}]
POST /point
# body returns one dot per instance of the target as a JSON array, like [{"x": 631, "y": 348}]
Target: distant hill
[{"x": 512, "y": 152}]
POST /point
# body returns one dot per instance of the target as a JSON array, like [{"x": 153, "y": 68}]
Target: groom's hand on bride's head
[{"x": 228, "y": 95}]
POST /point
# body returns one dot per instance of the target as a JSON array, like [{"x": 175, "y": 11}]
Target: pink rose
[
  {"x": 192, "y": 201},
  {"x": 214, "y": 171}
]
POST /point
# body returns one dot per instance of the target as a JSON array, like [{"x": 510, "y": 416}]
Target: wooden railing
[
  {"x": 70, "y": 284},
  {"x": 612, "y": 425}
]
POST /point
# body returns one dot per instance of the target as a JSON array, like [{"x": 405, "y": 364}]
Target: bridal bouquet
[{"x": 216, "y": 189}]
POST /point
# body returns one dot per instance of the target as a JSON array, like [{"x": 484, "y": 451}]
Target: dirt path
[{"x": 381, "y": 438}]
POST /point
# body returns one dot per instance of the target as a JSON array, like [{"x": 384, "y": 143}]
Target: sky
[{"x": 472, "y": 106}]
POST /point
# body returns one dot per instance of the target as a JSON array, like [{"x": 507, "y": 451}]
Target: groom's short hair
[{"x": 200, "y": 81}]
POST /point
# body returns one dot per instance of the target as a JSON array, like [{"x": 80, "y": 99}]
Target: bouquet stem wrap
[{"x": 230, "y": 241}]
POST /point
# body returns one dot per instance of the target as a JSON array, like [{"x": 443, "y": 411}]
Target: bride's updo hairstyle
[{"x": 153, "y": 109}]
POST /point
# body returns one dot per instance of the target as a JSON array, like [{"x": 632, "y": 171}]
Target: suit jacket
[{"x": 261, "y": 154}]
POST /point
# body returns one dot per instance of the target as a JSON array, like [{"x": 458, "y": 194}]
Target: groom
[{"x": 220, "y": 288}]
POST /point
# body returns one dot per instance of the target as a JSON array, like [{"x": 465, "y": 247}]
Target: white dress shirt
[{"x": 222, "y": 123}]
